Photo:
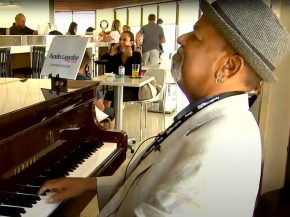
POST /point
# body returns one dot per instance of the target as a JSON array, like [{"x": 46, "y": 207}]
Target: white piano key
[
  {"x": 41, "y": 208},
  {"x": 44, "y": 209},
  {"x": 96, "y": 159}
]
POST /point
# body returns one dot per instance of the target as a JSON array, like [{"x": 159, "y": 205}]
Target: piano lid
[{"x": 27, "y": 102}]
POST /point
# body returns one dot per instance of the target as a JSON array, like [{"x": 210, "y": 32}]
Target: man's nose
[{"x": 182, "y": 39}]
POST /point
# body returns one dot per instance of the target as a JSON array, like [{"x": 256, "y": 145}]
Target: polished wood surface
[
  {"x": 34, "y": 137},
  {"x": 20, "y": 60}
]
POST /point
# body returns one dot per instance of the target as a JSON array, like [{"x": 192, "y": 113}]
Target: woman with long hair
[
  {"x": 72, "y": 30},
  {"x": 114, "y": 35},
  {"x": 123, "y": 54}
]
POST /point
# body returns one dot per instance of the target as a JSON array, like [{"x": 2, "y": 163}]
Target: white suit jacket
[{"x": 208, "y": 167}]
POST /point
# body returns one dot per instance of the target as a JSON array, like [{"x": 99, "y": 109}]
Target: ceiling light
[{"x": 11, "y": 4}]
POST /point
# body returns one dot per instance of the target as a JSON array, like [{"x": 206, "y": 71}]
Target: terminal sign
[{"x": 65, "y": 56}]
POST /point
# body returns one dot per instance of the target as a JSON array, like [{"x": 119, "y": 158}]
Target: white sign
[{"x": 65, "y": 56}]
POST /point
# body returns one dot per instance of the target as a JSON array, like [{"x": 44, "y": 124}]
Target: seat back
[
  {"x": 38, "y": 58},
  {"x": 5, "y": 67},
  {"x": 158, "y": 74}
]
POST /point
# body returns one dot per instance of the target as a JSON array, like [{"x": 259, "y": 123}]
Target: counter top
[
  {"x": 27, "y": 48},
  {"x": 23, "y": 44}
]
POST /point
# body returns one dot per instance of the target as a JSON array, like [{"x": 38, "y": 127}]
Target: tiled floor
[{"x": 155, "y": 123}]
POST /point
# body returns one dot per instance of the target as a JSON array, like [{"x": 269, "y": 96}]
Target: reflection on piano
[{"x": 54, "y": 138}]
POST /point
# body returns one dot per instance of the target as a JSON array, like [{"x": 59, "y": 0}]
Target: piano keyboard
[{"x": 81, "y": 162}]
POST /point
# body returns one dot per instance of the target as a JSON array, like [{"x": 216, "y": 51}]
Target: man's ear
[
  {"x": 87, "y": 68},
  {"x": 230, "y": 66}
]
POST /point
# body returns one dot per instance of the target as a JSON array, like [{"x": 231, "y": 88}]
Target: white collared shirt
[{"x": 115, "y": 37}]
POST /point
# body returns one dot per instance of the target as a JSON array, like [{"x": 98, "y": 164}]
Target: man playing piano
[{"x": 208, "y": 162}]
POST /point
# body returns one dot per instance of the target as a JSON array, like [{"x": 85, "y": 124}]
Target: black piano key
[
  {"x": 24, "y": 189},
  {"x": 29, "y": 190},
  {"x": 20, "y": 196},
  {"x": 38, "y": 181},
  {"x": 81, "y": 161},
  {"x": 71, "y": 169},
  {"x": 17, "y": 202},
  {"x": 11, "y": 211},
  {"x": 23, "y": 200},
  {"x": 67, "y": 163}
]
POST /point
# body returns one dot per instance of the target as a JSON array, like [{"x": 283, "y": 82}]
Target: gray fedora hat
[{"x": 252, "y": 29}]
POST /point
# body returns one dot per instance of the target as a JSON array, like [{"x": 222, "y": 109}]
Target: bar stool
[
  {"x": 100, "y": 66},
  {"x": 38, "y": 57},
  {"x": 100, "y": 69},
  {"x": 5, "y": 67}
]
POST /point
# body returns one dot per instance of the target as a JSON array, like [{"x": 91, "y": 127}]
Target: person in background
[
  {"x": 83, "y": 74},
  {"x": 90, "y": 31},
  {"x": 114, "y": 35},
  {"x": 55, "y": 32},
  {"x": 126, "y": 28},
  {"x": 161, "y": 50},
  {"x": 73, "y": 28},
  {"x": 123, "y": 54},
  {"x": 208, "y": 162},
  {"x": 152, "y": 36},
  {"x": 19, "y": 27}
]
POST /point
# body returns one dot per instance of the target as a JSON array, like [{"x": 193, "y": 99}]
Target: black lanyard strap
[{"x": 192, "y": 110}]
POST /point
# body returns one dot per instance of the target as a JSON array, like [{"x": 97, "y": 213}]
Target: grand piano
[{"x": 47, "y": 133}]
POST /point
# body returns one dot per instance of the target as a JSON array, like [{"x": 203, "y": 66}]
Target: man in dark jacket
[{"x": 19, "y": 28}]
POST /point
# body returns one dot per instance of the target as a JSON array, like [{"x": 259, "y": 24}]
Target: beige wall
[
  {"x": 37, "y": 13},
  {"x": 104, "y": 14},
  {"x": 275, "y": 115}
]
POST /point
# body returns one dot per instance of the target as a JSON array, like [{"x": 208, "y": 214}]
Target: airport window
[
  {"x": 84, "y": 19},
  {"x": 173, "y": 26},
  {"x": 188, "y": 15},
  {"x": 134, "y": 19},
  {"x": 62, "y": 20},
  {"x": 121, "y": 14},
  {"x": 147, "y": 10},
  {"x": 167, "y": 12}
]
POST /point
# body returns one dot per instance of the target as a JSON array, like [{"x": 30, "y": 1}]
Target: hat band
[{"x": 232, "y": 25}]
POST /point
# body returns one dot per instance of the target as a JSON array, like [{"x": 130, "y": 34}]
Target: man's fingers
[
  {"x": 65, "y": 188},
  {"x": 62, "y": 195},
  {"x": 55, "y": 184}
]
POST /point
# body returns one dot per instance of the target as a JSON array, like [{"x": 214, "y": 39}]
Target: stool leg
[
  {"x": 163, "y": 105},
  {"x": 141, "y": 118},
  {"x": 145, "y": 115}
]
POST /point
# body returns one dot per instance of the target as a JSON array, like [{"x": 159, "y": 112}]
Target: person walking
[{"x": 153, "y": 36}]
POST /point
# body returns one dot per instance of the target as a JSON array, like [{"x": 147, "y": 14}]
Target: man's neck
[
  {"x": 81, "y": 72},
  {"x": 18, "y": 27}
]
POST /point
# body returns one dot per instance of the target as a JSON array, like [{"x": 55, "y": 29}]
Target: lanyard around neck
[{"x": 195, "y": 107}]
